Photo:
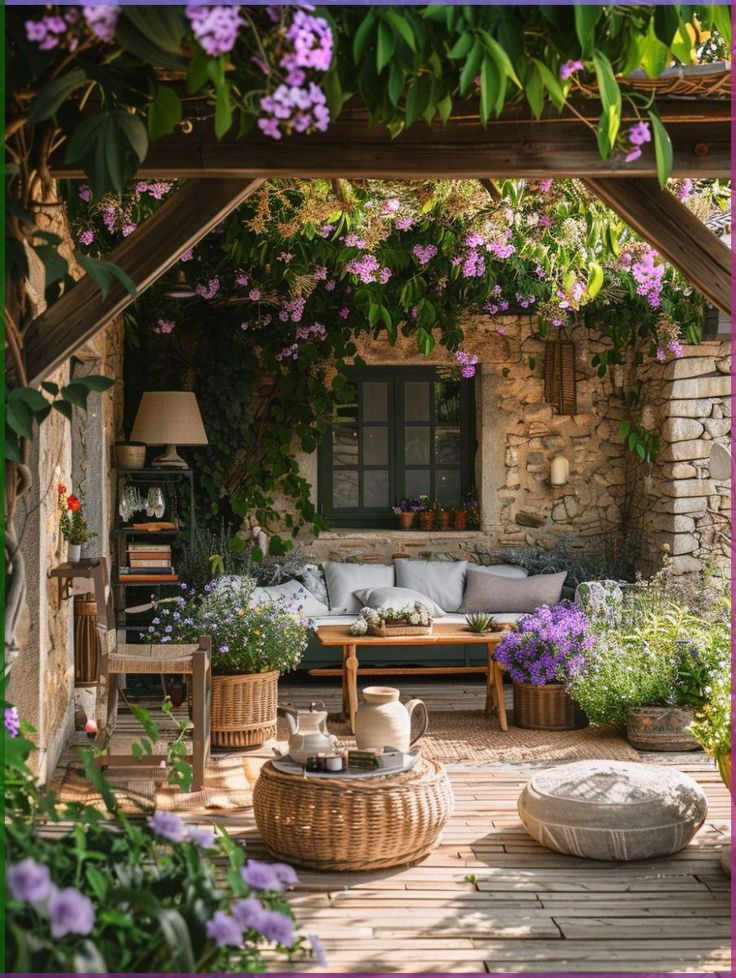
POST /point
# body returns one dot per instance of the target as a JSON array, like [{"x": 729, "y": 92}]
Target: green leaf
[
  {"x": 223, "y": 110},
  {"x": 164, "y": 113},
  {"x": 76, "y": 394},
  {"x": 501, "y": 58},
  {"x": 595, "y": 279},
  {"x": 471, "y": 67},
  {"x": 586, "y": 18},
  {"x": 666, "y": 22},
  {"x": 385, "y": 46},
  {"x": 655, "y": 56},
  {"x": 55, "y": 267},
  {"x": 333, "y": 90},
  {"x": 395, "y": 83},
  {"x": 104, "y": 272},
  {"x": 461, "y": 47},
  {"x": 96, "y": 382},
  {"x": 401, "y": 25},
  {"x": 163, "y": 24},
  {"x": 425, "y": 341},
  {"x": 363, "y": 36},
  {"x": 721, "y": 14},
  {"x": 97, "y": 881},
  {"x": 610, "y": 95},
  {"x": 444, "y": 108},
  {"x": 63, "y": 407},
  {"x": 197, "y": 70},
  {"x": 53, "y": 95},
  {"x": 418, "y": 98},
  {"x": 134, "y": 131},
  {"x": 662, "y": 149},
  {"x": 552, "y": 85},
  {"x": 19, "y": 417},
  {"x": 534, "y": 91},
  {"x": 490, "y": 82},
  {"x": 50, "y": 387}
]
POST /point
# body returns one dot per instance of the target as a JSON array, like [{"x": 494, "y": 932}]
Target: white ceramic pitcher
[{"x": 382, "y": 721}]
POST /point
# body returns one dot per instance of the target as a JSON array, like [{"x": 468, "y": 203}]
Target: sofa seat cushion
[
  {"x": 344, "y": 579},
  {"x": 613, "y": 810},
  {"x": 396, "y": 599},
  {"x": 495, "y": 594},
  {"x": 441, "y": 580}
]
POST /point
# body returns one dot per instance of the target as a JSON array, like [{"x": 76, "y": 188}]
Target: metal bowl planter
[{"x": 663, "y": 728}]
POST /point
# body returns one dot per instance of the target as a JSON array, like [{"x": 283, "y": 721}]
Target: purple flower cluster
[
  {"x": 685, "y": 189},
  {"x": 468, "y": 362},
  {"x": 102, "y": 20},
  {"x": 216, "y": 28},
  {"x": 86, "y": 237},
  {"x": 311, "y": 41},
  {"x": 569, "y": 68},
  {"x": 210, "y": 290},
  {"x": 68, "y": 910},
  {"x": 368, "y": 269},
  {"x": 156, "y": 188},
  {"x": 496, "y": 303},
  {"x": 292, "y": 309},
  {"x": 291, "y": 108},
  {"x": 549, "y": 646},
  {"x": 12, "y": 721},
  {"x": 649, "y": 277},
  {"x": 85, "y": 193},
  {"x": 424, "y": 253},
  {"x": 46, "y": 32},
  {"x": 638, "y": 134},
  {"x": 316, "y": 331}
]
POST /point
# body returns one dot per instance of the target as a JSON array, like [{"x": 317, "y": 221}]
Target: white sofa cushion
[
  {"x": 344, "y": 579},
  {"x": 396, "y": 598},
  {"x": 501, "y": 570},
  {"x": 290, "y": 594},
  {"x": 441, "y": 580}
]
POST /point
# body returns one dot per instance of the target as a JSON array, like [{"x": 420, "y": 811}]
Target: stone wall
[
  {"x": 676, "y": 504},
  {"x": 518, "y": 436}
]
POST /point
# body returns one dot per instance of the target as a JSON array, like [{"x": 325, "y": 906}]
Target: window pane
[
  {"x": 447, "y": 446},
  {"x": 375, "y": 401},
  {"x": 416, "y": 445},
  {"x": 375, "y": 446},
  {"x": 346, "y": 411},
  {"x": 447, "y": 401},
  {"x": 416, "y": 482},
  {"x": 375, "y": 488},
  {"x": 416, "y": 400},
  {"x": 345, "y": 488},
  {"x": 447, "y": 486},
  {"x": 345, "y": 446}
]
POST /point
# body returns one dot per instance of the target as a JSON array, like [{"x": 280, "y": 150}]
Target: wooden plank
[
  {"x": 676, "y": 233},
  {"x": 183, "y": 220},
  {"x": 516, "y": 145}
]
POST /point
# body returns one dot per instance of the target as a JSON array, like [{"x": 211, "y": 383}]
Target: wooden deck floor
[{"x": 489, "y": 899}]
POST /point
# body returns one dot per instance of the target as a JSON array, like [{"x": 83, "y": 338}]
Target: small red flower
[
  {"x": 73, "y": 504},
  {"x": 61, "y": 488}
]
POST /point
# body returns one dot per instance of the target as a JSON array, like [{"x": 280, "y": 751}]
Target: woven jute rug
[{"x": 469, "y": 736}]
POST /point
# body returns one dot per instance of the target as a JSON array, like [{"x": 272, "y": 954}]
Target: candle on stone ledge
[{"x": 559, "y": 473}]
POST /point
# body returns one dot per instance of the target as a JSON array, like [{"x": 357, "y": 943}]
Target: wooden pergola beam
[
  {"x": 677, "y": 234},
  {"x": 182, "y": 220},
  {"x": 513, "y": 146}
]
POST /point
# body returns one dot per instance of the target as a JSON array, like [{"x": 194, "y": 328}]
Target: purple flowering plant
[
  {"x": 550, "y": 646},
  {"x": 127, "y": 896}
]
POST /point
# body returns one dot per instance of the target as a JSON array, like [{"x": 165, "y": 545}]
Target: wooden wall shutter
[{"x": 559, "y": 376}]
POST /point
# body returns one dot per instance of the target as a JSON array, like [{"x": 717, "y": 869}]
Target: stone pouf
[{"x": 612, "y": 810}]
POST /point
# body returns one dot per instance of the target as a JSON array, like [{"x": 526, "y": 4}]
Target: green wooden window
[{"x": 399, "y": 432}]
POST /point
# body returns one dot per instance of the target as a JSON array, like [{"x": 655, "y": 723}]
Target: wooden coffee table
[{"x": 339, "y": 635}]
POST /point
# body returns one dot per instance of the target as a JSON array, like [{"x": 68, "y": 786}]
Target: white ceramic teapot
[
  {"x": 382, "y": 721},
  {"x": 308, "y": 731}
]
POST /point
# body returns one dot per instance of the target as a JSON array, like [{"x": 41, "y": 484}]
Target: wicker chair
[{"x": 189, "y": 660}]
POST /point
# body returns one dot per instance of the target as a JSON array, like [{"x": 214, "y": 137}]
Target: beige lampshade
[{"x": 169, "y": 418}]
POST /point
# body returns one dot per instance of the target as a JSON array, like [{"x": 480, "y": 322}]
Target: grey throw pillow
[
  {"x": 441, "y": 580},
  {"x": 344, "y": 579},
  {"x": 396, "y": 598},
  {"x": 501, "y": 570},
  {"x": 497, "y": 595}
]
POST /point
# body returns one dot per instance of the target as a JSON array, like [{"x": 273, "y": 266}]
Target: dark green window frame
[{"x": 360, "y": 516}]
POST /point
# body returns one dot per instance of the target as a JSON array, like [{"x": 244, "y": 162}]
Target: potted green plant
[
  {"x": 72, "y": 523},
  {"x": 712, "y": 725},
  {"x": 542, "y": 653},
  {"x": 251, "y": 647},
  {"x": 656, "y": 663}
]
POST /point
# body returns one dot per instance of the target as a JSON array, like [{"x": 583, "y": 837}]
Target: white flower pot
[{"x": 74, "y": 552}]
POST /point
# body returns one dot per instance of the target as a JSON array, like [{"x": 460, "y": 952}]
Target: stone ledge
[{"x": 421, "y": 535}]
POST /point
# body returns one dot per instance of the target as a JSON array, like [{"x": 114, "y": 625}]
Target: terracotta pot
[
  {"x": 444, "y": 520},
  {"x": 426, "y": 520},
  {"x": 244, "y": 709},
  {"x": 547, "y": 707},
  {"x": 460, "y": 521},
  {"x": 406, "y": 521},
  {"x": 660, "y": 728}
]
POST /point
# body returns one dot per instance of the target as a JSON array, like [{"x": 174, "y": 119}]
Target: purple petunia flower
[
  {"x": 70, "y": 912},
  {"x": 317, "y": 950},
  {"x": 203, "y": 836},
  {"x": 224, "y": 930},
  {"x": 29, "y": 881},
  {"x": 168, "y": 826}
]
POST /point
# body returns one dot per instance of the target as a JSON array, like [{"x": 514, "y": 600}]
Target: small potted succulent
[
  {"x": 480, "y": 622},
  {"x": 542, "y": 653},
  {"x": 72, "y": 523}
]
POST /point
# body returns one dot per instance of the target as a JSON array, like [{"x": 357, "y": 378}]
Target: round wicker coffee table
[{"x": 353, "y": 823}]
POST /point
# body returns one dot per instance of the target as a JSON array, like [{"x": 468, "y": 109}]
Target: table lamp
[{"x": 169, "y": 418}]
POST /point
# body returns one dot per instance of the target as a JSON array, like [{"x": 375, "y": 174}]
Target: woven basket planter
[
  {"x": 546, "y": 707},
  {"x": 244, "y": 709},
  {"x": 353, "y": 824},
  {"x": 388, "y": 628}
]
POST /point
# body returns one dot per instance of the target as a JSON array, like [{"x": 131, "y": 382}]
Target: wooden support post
[
  {"x": 676, "y": 233},
  {"x": 183, "y": 220}
]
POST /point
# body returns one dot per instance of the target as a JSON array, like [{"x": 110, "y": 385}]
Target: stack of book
[{"x": 149, "y": 562}]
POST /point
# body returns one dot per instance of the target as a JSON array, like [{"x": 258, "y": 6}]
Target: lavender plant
[{"x": 551, "y": 646}]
